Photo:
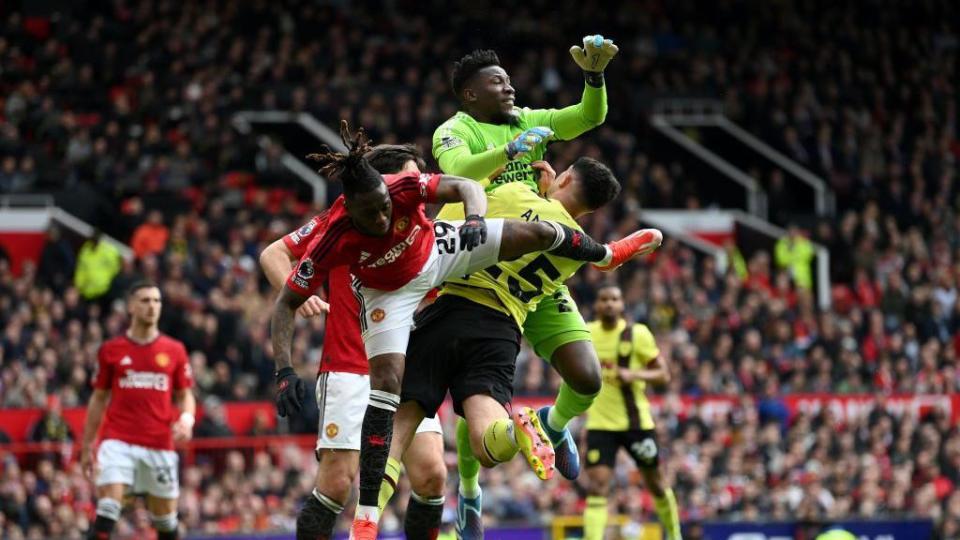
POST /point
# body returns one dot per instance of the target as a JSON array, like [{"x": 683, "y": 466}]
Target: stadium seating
[{"x": 121, "y": 109}]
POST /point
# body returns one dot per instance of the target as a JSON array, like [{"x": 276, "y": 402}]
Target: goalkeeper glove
[
  {"x": 527, "y": 141},
  {"x": 594, "y": 56}
]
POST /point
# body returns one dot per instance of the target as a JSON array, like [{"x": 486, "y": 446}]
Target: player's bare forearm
[
  {"x": 95, "y": 410},
  {"x": 458, "y": 189},
  {"x": 276, "y": 261},
  {"x": 282, "y": 326},
  {"x": 656, "y": 372},
  {"x": 185, "y": 401}
]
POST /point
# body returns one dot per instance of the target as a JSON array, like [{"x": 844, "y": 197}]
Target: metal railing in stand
[
  {"x": 683, "y": 112},
  {"x": 243, "y": 122},
  {"x": 756, "y": 202}
]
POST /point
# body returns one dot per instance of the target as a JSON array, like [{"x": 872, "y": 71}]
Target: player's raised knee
[
  {"x": 386, "y": 374},
  {"x": 335, "y": 486},
  {"x": 430, "y": 479},
  {"x": 588, "y": 379}
]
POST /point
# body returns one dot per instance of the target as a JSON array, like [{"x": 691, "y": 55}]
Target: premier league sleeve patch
[
  {"x": 305, "y": 273},
  {"x": 450, "y": 141},
  {"x": 307, "y": 228}
]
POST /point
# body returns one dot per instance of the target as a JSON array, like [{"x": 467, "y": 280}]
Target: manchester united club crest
[
  {"x": 378, "y": 315},
  {"x": 331, "y": 430},
  {"x": 402, "y": 224},
  {"x": 162, "y": 360}
]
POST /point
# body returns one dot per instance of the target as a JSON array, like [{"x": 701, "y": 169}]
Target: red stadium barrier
[
  {"x": 240, "y": 415},
  {"x": 217, "y": 448},
  {"x": 28, "y": 453}
]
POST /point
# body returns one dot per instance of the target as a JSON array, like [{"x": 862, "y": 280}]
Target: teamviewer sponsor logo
[
  {"x": 145, "y": 380},
  {"x": 394, "y": 253}
]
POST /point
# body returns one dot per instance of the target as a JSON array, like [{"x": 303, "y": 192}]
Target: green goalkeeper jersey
[
  {"x": 516, "y": 287},
  {"x": 465, "y": 147}
]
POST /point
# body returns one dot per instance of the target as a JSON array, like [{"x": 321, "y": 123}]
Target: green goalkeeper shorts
[{"x": 556, "y": 322}]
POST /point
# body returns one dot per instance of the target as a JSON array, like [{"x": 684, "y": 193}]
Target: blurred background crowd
[{"x": 128, "y": 105}]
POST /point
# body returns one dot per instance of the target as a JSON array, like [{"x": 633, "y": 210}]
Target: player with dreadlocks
[
  {"x": 343, "y": 386},
  {"x": 379, "y": 230}
]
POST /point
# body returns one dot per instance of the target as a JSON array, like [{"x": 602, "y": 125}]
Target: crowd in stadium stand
[{"x": 134, "y": 103}]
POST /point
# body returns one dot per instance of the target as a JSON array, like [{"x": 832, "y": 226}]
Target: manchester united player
[
  {"x": 378, "y": 228},
  {"x": 343, "y": 385},
  {"x": 143, "y": 378}
]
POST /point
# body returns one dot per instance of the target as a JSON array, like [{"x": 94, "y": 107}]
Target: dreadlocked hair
[{"x": 351, "y": 169}]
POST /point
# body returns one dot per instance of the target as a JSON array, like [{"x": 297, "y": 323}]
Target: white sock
[
  {"x": 470, "y": 492},
  {"x": 561, "y": 235},
  {"x": 369, "y": 513},
  {"x": 606, "y": 260}
]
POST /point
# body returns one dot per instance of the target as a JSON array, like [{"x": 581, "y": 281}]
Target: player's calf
[
  {"x": 521, "y": 237},
  {"x": 108, "y": 513}
]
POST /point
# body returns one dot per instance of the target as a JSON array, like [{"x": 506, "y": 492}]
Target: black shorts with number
[
  {"x": 463, "y": 347},
  {"x": 641, "y": 444}
]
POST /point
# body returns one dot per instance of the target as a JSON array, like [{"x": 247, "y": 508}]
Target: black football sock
[
  {"x": 318, "y": 517},
  {"x": 576, "y": 245},
  {"x": 108, "y": 513},
  {"x": 102, "y": 527},
  {"x": 423, "y": 517},
  {"x": 375, "y": 436}
]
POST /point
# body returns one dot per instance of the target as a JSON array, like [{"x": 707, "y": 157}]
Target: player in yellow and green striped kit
[
  {"x": 620, "y": 417},
  {"x": 495, "y": 142}
]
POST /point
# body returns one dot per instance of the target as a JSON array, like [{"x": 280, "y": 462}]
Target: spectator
[
  {"x": 158, "y": 132},
  {"x": 150, "y": 238},
  {"x": 261, "y": 425},
  {"x": 51, "y": 427},
  {"x": 56, "y": 260},
  {"x": 12, "y": 180},
  {"x": 97, "y": 264},
  {"x": 794, "y": 252},
  {"x": 214, "y": 421}
]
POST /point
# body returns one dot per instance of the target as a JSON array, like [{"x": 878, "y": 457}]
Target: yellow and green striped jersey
[
  {"x": 620, "y": 406},
  {"x": 515, "y": 287}
]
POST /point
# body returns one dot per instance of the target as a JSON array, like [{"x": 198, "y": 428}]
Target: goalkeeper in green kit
[{"x": 494, "y": 142}]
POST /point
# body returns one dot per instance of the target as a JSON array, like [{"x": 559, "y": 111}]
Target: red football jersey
[
  {"x": 380, "y": 262},
  {"x": 342, "y": 346},
  {"x": 142, "y": 378}
]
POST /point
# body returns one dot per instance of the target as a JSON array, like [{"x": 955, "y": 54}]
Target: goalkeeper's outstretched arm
[
  {"x": 573, "y": 121},
  {"x": 457, "y": 159}
]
